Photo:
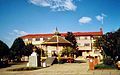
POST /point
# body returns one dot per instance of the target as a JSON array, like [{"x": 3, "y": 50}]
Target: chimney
[{"x": 101, "y": 30}]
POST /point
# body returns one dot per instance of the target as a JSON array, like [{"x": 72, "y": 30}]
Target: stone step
[{"x": 49, "y": 61}]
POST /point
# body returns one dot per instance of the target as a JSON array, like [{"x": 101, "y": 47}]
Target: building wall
[
  {"x": 85, "y": 45},
  {"x": 84, "y": 42},
  {"x": 34, "y": 41},
  {"x": 52, "y": 49}
]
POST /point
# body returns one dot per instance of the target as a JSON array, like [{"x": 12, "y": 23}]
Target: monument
[{"x": 33, "y": 60}]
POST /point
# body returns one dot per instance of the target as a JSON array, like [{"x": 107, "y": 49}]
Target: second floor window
[
  {"x": 79, "y": 44},
  {"x": 77, "y": 38},
  {"x": 87, "y": 44},
  {"x": 85, "y": 38},
  {"x": 29, "y": 39},
  {"x": 37, "y": 39}
]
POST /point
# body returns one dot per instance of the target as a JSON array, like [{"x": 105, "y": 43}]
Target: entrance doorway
[
  {"x": 80, "y": 53},
  {"x": 54, "y": 53}
]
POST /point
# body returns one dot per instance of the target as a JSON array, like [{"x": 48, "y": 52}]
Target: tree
[
  {"x": 17, "y": 49},
  {"x": 68, "y": 51},
  {"x": 71, "y": 38},
  {"x": 110, "y": 43},
  {"x": 28, "y": 49},
  {"x": 4, "y": 50},
  {"x": 117, "y": 42}
]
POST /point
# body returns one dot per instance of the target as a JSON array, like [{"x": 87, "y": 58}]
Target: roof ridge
[{"x": 97, "y": 33}]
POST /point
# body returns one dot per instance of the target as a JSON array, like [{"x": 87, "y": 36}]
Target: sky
[{"x": 22, "y": 17}]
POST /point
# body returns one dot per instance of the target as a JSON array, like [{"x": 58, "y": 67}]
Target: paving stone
[{"x": 61, "y": 69}]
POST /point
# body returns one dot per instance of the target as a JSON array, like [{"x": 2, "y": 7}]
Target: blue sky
[{"x": 21, "y": 17}]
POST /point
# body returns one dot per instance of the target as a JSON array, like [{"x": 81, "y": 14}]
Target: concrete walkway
[{"x": 61, "y": 69}]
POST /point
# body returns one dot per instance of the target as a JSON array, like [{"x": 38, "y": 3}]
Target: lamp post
[{"x": 41, "y": 54}]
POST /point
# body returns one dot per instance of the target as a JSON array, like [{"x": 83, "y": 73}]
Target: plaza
[{"x": 60, "y": 69}]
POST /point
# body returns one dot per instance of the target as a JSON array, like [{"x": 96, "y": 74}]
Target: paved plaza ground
[{"x": 60, "y": 69}]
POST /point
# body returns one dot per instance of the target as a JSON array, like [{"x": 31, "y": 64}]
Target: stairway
[{"x": 49, "y": 61}]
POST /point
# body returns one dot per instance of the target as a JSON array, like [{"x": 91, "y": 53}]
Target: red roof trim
[
  {"x": 63, "y": 34},
  {"x": 88, "y": 33}
]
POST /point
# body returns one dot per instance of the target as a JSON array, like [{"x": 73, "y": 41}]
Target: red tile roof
[
  {"x": 100, "y": 33},
  {"x": 88, "y": 33},
  {"x": 36, "y": 35}
]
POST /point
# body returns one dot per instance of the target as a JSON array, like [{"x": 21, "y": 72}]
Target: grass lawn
[
  {"x": 24, "y": 69},
  {"x": 104, "y": 66}
]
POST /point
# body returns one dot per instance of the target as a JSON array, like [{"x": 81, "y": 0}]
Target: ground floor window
[{"x": 80, "y": 53}]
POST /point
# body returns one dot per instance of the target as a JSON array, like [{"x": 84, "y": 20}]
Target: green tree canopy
[
  {"x": 4, "y": 49},
  {"x": 67, "y": 51},
  {"x": 28, "y": 49},
  {"x": 17, "y": 49},
  {"x": 110, "y": 43},
  {"x": 71, "y": 38}
]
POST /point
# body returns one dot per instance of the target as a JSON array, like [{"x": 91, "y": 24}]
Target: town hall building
[{"x": 85, "y": 42}]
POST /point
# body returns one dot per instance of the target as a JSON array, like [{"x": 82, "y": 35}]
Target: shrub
[
  {"x": 24, "y": 69},
  {"x": 103, "y": 66},
  {"x": 108, "y": 61}
]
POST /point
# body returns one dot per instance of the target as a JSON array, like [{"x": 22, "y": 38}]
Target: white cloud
[
  {"x": 100, "y": 17},
  {"x": 40, "y": 2},
  {"x": 56, "y": 5},
  {"x": 22, "y": 33},
  {"x": 11, "y": 33},
  {"x": 17, "y": 33},
  {"x": 85, "y": 20}
]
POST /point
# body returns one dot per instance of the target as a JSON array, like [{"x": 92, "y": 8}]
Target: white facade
[
  {"x": 86, "y": 46},
  {"x": 84, "y": 42}
]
